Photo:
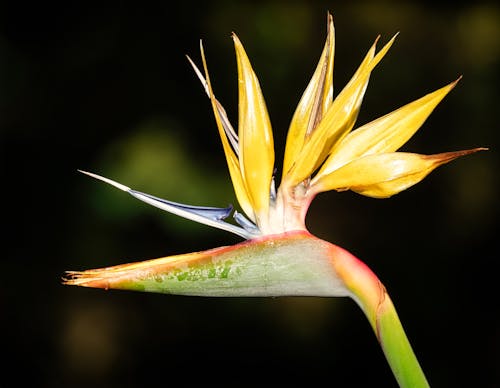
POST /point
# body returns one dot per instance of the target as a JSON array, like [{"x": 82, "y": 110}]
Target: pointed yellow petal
[
  {"x": 314, "y": 103},
  {"x": 256, "y": 152},
  {"x": 339, "y": 119},
  {"x": 232, "y": 161},
  {"x": 383, "y": 175},
  {"x": 386, "y": 134}
]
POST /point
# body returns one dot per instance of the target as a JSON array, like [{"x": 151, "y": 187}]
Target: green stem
[
  {"x": 397, "y": 348},
  {"x": 371, "y": 295},
  {"x": 293, "y": 263}
]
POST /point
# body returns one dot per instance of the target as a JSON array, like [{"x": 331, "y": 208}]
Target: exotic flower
[{"x": 322, "y": 153}]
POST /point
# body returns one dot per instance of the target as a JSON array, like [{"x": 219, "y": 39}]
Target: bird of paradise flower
[{"x": 323, "y": 153}]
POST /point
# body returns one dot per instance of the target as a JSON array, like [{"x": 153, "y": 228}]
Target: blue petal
[
  {"x": 213, "y": 213},
  {"x": 212, "y": 216}
]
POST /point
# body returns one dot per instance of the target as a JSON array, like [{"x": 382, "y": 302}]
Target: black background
[{"x": 108, "y": 89}]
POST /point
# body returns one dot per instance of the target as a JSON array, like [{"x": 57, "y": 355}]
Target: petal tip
[
  {"x": 329, "y": 19},
  {"x": 454, "y": 83}
]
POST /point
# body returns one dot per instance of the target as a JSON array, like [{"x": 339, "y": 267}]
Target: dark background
[{"x": 108, "y": 89}]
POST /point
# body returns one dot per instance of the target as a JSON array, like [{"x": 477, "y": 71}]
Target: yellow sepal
[
  {"x": 232, "y": 161},
  {"x": 314, "y": 103},
  {"x": 383, "y": 175},
  {"x": 338, "y": 121},
  {"x": 385, "y": 134},
  {"x": 256, "y": 148}
]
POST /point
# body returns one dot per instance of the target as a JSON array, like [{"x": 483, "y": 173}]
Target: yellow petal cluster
[{"x": 322, "y": 152}]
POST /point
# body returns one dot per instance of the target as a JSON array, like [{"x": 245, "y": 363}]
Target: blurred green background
[{"x": 108, "y": 89}]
